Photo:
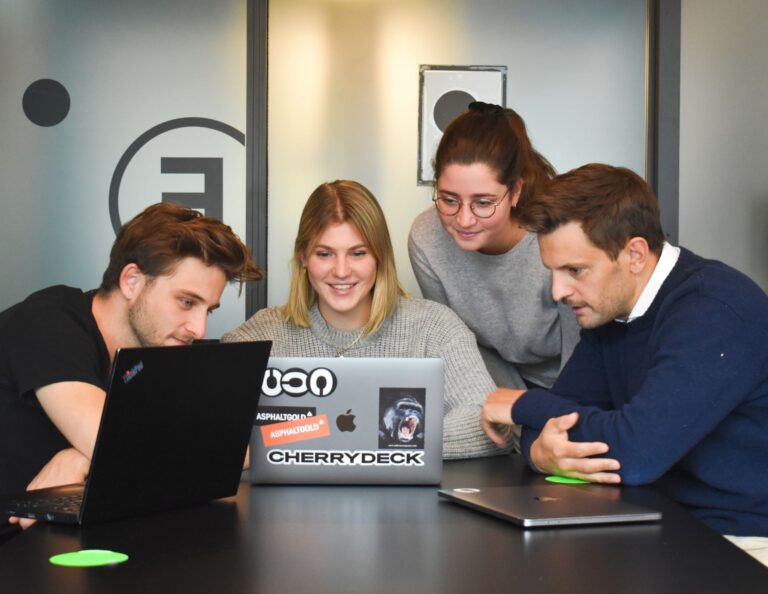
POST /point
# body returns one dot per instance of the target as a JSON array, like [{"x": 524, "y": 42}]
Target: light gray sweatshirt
[
  {"x": 417, "y": 328},
  {"x": 505, "y": 299}
]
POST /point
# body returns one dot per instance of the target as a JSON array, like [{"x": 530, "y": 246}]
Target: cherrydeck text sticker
[{"x": 298, "y": 430}]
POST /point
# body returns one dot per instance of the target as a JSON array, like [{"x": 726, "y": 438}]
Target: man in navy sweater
[{"x": 669, "y": 383}]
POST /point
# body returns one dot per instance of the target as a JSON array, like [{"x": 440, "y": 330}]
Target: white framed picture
[{"x": 445, "y": 92}]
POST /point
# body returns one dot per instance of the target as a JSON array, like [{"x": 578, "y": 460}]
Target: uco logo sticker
[{"x": 297, "y": 382}]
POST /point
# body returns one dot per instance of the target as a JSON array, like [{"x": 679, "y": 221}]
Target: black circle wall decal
[
  {"x": 449, "y": 105},
  {"x": 46, "y": 102}
]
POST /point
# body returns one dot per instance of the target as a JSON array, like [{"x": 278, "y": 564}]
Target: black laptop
[{"x": 174, "y": 432}]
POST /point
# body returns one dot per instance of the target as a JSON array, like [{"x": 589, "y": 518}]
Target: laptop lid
[
  {"x": 349, "y": 420},
  {"x": 173, "y": 432},
  {"x": 532, "y": 506}
]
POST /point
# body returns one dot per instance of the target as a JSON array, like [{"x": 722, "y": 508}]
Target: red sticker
[{"x": 298, "y": 430}]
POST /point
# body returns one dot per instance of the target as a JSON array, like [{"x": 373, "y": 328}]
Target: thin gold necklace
[{"x": 340, "y": 350}]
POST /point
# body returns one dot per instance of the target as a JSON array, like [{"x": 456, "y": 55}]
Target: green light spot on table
[
  {"x": 88, "y": 558},
  {"x": 565, "y": 480}
]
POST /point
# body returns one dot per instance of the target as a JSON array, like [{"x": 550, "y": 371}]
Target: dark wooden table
[{"x": 382, "y": 539}]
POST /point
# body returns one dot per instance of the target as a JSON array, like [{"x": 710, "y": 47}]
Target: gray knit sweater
[
  {"x": 505, "y": 299},
  {"x": 417, "y": 328}
]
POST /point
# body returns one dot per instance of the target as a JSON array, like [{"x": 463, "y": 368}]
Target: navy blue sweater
[{"x": 680, "y": 395}]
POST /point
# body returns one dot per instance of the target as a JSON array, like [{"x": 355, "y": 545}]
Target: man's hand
[
  {"x": 496, "y": 416},
  {"x": 67, "y": 467},
  {"x": 553, "y": 453}
]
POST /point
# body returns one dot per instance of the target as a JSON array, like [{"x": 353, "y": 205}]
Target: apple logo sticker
[{"x": 346, "y": 422}]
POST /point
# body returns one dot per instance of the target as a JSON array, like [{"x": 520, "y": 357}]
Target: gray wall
[
  {"x": 128, "y": 66},
  {"x": 343, "y": 94},
  {"x": 344, "y": 103},
  {"x": 724, "y": 133}
]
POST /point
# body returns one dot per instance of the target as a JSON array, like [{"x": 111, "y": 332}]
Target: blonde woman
[{"x": 345, "y": 301}]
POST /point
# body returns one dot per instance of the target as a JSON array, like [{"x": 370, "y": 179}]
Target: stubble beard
[{"x": 139, "y": 324}]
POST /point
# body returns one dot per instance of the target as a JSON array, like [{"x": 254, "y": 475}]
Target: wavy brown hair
[
  {"x": 612, "y": 205},
  {"x": 162, "y": 235},
  {"x": 497, "y": 137}
]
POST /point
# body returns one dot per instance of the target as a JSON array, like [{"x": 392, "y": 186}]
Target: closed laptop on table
[
  {"x": 349, "y": 420},
  {"x": 174, "y": 432},
  {"x": 541, "y": 505}
]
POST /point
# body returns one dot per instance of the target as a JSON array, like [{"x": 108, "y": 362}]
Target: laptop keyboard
[{"x": 69, "y": 504}]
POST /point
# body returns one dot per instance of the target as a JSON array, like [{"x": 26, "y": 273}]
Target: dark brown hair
[
  {"x": 163, "y": 234},
  {"x": 497, "y": 137},
  {"x": 612, "y": 204}
]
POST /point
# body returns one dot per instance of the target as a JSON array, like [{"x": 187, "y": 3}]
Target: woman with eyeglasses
[
  {"x": 470, "y": 253},
  {"x": 345, "y": 301}
]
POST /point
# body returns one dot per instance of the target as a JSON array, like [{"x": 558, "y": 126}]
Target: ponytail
[{"x": 495, "y": 136}]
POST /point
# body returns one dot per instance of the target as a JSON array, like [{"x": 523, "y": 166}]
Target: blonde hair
[{"x": 344, "y": 201}]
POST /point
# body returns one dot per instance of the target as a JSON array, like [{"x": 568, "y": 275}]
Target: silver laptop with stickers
[{"x": 349, "y": 420}]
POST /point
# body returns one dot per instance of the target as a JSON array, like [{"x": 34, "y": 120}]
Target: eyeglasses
[{"x": 482, "y": 208}]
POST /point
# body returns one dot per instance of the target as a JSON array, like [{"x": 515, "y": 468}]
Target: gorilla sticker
[{"x": 401, "y": 417}]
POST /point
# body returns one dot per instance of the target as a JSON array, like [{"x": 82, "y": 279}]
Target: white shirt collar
[{"x": 667, "y": 261}]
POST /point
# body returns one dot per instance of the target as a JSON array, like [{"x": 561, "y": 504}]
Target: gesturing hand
[
  {"x": 554, "y": 453},
  {"x": 496, "y": 416}
]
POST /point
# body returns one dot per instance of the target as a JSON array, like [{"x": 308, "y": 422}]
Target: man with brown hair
[
  {"x": 167, "y": 270},
  {"x": 670, "y": 377}
]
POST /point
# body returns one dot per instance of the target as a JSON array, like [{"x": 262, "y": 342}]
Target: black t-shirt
[{"x": 49, "y": 337}]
